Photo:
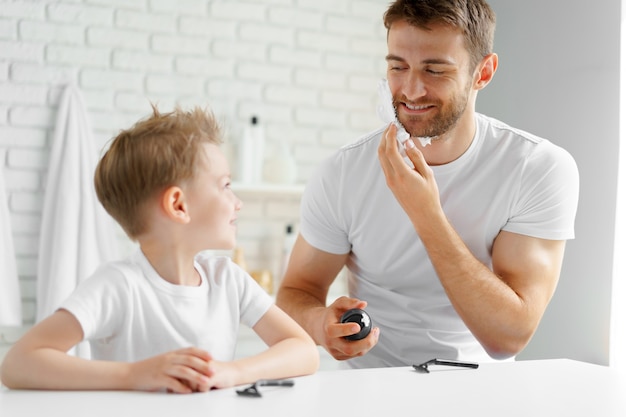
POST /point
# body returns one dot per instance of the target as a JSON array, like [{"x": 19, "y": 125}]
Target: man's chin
[
  {"x": 417, "y": 129},
  {"x": 426, "y": 131}
]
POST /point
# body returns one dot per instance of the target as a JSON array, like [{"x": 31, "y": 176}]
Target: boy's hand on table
[{"x": 180, "y": 371}]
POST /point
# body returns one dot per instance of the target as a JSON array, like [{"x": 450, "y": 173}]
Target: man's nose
[{"x": 413, "y": 87}]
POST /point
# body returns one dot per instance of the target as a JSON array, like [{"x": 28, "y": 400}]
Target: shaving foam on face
[
  {"x": 425, "y": 140},
  {"x": 387, "y": 113}
]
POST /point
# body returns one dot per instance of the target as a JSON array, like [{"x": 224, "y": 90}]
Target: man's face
[{"x": 429, "y": 77}]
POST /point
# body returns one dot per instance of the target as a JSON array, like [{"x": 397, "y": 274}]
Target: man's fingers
[
  {"x": 343, "y": 329},
  {"x": 343, "y": 303},
  {"x": 417, "y": 157}
]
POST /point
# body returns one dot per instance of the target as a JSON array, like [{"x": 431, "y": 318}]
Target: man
[{"x": 458, "y": 256}]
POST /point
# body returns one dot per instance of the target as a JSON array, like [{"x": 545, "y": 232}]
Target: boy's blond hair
[{"x": 157, "y": 152}]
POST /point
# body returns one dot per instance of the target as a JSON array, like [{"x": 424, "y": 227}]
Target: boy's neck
[{"x": 173, "y": 264}]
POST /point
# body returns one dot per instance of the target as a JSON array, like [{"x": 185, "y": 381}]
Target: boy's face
[{"x": 212, "y": 205}]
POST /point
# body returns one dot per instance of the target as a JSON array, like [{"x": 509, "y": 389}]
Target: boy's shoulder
[
  {"x": 130, "y": 265},
  {"x": 212, "y": 260},
  {"x": 217, "y": 267},
  {"x": 119, "y": 272}
]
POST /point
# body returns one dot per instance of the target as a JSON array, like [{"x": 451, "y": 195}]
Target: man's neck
[{"x": 452, "y": 144}]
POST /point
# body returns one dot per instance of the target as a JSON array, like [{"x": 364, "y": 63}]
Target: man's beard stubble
[{"x": 442, "y": 122}]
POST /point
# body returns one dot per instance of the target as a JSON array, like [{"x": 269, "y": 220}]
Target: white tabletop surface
[{"x": 525, "y": 388}]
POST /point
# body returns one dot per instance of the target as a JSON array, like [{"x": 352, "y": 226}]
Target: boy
[{"x": 167, "y": 317}]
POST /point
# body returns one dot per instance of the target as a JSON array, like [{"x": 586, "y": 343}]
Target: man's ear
[
  {"x": 174, "y": 205},
  {"x": 486, "y": 70}
]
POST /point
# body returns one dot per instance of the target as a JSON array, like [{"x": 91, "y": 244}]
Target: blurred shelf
[{"x": 292, "y": 190}]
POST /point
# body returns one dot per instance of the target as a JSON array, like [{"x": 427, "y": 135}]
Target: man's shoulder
[
  {"x": 523, "y": 144},
  {"x": 354, "y": 154},
  {"x": 517, "y": 140},
  {"x": 364, "y": 142},
  {"x": 497, "y": 129}
]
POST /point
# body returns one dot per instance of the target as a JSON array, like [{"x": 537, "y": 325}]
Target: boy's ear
[{"x": 174, "y": 205}]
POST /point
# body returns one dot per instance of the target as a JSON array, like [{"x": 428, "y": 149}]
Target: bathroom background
[{"x": 308, "y": 70}]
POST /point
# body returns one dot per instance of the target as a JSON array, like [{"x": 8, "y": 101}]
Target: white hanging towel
[
  {"x": 10, "y": 298},
  {"x": 77, "y": 234}
]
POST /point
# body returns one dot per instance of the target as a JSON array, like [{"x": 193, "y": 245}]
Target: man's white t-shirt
[
  {"x": 129, "y": 313},
  {"x": 507, "y": 180}
]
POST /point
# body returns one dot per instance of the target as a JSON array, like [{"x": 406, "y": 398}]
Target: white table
[{"x": 527, "y": 388}]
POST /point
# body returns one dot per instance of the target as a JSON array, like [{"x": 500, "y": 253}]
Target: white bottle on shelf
[
  {"x": 281, "y": 167},
  {"x": 288, "y": 241},
  {"x": 252, "y": 153}
]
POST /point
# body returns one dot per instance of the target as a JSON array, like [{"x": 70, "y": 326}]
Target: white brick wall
[{"x": 307, "y": 68}]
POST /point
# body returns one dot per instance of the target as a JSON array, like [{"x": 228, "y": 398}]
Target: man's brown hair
[{"x": 474, "y": 18}]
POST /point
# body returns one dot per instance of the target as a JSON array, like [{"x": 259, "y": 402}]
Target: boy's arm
[
  {"x": 39, "y": 361},
  {"x": 291, "y": 353},
  {"x": 291, "y": 350}
]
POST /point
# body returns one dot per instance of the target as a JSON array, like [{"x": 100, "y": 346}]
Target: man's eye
[{"x": 396, "y": 64}]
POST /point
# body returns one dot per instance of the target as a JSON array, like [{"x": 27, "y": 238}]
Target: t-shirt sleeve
[
  {"x": 94, "y": 304},
  {"x": 548, "y": 197},
  {"x": 254, "y": 301},
  {"x": 320, "y": 223}
]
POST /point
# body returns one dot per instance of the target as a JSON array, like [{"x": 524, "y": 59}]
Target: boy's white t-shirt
[
  {"x": 129, "y": 313},
  {"x": 507, "y": 180}
]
